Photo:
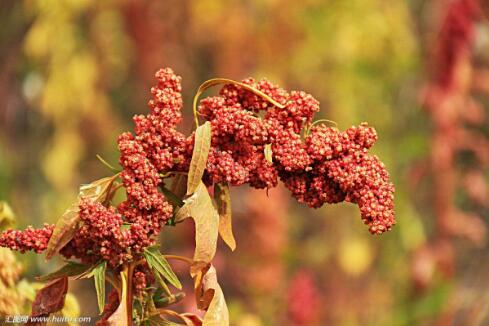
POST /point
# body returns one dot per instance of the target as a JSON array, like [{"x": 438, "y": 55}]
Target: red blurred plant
[
  {"x": 255, "y": 133},
  {"x": 456, "y": 115},
  {"x": 303, "y": 299}
]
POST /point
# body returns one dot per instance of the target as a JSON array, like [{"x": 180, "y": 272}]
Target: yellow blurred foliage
[{"x": 354, "y": 255}]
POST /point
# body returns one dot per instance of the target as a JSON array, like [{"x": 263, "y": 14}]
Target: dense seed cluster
[
  {"x": 28, "y": 239},
  {"x": 342, "y": 169},
  {"x": 100, "y": 236},
  {"x": 326, "y": 166},
  {"x": 329, "y": 166}
]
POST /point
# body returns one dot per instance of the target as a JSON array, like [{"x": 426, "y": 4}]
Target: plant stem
[
  {"x": 181, "y": 258},
  {"x": 114, "y": 284},
  {"x": 130, "y": 271}
]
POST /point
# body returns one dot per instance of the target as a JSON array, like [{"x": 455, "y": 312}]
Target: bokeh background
[{"x": 73, "y": 73}]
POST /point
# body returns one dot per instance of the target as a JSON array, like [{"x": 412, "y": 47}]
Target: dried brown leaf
[
  {"x": 178, "y": 186},
  {"x": 217, "y": 311},
  {"x": 197, "y": 321},
  {"x": 202, "y": 144},
  {"x": 200, "y": 207},
  {"x": 223, "y": 201},
  {"x": 99, "y": 191},
  {"x": 120, "y": 317},
  {"x": 188, "y": 319},
  {"x": 50, "y": 298}
]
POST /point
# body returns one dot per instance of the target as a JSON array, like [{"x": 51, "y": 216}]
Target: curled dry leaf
[
  {"x": 188, "y": 319},
  {"x": 210, "y": 297},
  {"x": 199, "y": 206},
  {"x": 100, "y": 191},
  {"x": 202, "y": 144},
  {"x": 197, "y": 321},
  {"x": 120, "y": 317},
  {"x": 50, "y": 298},
  {"x": 223, "y": 201}
]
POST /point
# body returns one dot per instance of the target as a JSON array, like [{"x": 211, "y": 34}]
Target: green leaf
[
  {"x": 164, "y": 301},
  {"x": 70, "y": 269},
  {"x": 202, "y": 144},
  {"x": 156, "y": 261},
  {"x": 161, "y": 281},
  {"x": 171, "y": 197},
  {"x": 99, "y": 278}
]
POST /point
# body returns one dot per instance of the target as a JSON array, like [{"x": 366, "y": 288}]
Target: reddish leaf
[
  {"x": 50, "y": 299},
  {"x": 110, "y": 308}
]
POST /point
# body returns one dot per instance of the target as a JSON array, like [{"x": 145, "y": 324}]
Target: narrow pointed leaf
[
  {"x": 199, "y": 206},
  {"x": 67, "y": 224},
  {"x": 161, "y": 281},
  {"x": 202, "y": 144},
  {"x": 268, "y": 153},
  {"x": 171, "y": 197},
  {"x": 223, "y": 201},
  {"x": 69, "y": 270},
  {"x": 99, "y": 279},
  {"x": 156, "y": 261},
  {"x": 168, "y": 300}
]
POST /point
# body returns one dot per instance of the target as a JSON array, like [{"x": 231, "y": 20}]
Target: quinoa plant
[{"x": 254, "y": 133}]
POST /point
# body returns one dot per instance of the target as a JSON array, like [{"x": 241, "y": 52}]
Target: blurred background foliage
[{"x": 72, "y": 74}]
